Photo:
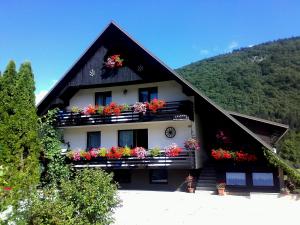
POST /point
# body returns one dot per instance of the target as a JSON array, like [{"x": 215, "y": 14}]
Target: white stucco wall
[
  {"x": 77, "y": 136},
  {"x": 167, "y": 90}
]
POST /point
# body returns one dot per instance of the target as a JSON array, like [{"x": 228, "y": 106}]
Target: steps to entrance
[{"x": 207, "y": 178}]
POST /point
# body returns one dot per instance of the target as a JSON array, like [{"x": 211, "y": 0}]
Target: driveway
[{"x": 174, "y": 208}]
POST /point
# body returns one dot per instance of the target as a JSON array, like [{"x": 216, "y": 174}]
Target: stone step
[
  {"x": 206, "y": 188},
  {"x": 207, "y": 178},
  {"x": 201, "y": 181}
]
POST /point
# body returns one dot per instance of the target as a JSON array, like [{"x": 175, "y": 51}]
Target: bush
[{"x": 89, "y": 198}]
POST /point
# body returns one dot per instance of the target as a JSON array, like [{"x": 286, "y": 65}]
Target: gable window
[
  {"x": 93, "y": 139},
  {"x": 262, "y": 179},
  {"x": 234, "y": 178},
  {"x": 103, "y": 98},
  {"x": 133, "y": 138},
  {"x": 147, "y": 94},
  {"x": 159, "y": 176}
]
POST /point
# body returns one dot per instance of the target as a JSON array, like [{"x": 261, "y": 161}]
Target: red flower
[
  {"x": 117, "y": 111},
  {"x": 156, "y": 104}
]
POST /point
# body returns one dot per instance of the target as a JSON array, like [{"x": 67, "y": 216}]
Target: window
[
  {"x": 238, "y": 179},
  {"x": 122, "y": 176},
  {"x": 262, "y": 179},
  {"x": 126, "y": 138},
  {"x": 133, "y": 138},
  {"x": 103, "y": 98},
  {"x": 158, "y": 176},
  {"x": 147, "y": 94},
  {"x": 93, "y": 140}
]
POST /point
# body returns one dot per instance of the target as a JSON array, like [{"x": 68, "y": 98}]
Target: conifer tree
[{"x": 18, "y": 132}]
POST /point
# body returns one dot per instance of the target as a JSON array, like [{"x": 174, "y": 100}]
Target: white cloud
[
  {"x": 232, "y": 45},
  {"x": 40, "y": 95},
  {"x": 250, "y": 46}
]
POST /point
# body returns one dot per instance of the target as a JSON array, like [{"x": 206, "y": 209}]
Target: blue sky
[{"x": 52, "y": 34}]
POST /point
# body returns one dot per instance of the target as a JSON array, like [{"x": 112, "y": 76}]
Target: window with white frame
[
  {"x": 262, "y": 179},
  {"x": 236, "y": 178}
]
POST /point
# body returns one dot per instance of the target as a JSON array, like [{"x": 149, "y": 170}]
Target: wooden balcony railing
[
  {"x": 178, "y": 110},
  {"x": 185, "y": 160}
]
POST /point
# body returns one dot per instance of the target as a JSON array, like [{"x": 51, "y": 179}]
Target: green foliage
[
  {"x": 55, "y": 168},
  {"x": 89, "y": 198},
  {"x": 276, "y": 161},
  {"x": 262, "y": 81},
  {"x": 19, "y": 144},
  {"x": 290, "y": 148}
]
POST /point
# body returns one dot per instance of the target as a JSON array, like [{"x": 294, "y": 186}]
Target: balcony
[
  {"x": 176, "y": 110},
  {"x": 185, "y": 160}
]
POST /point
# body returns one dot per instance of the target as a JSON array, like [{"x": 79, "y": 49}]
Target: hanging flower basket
[{"x": 114, "y": 61}]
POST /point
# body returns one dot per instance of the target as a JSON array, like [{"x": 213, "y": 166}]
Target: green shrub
[{"x": 88, "y": 198}]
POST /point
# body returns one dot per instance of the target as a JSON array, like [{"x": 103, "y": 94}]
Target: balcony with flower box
[
  {"x": 139, "y": 112},
  {"x": 137, "y": 158}
]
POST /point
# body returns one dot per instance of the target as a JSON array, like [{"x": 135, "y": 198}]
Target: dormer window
[
  {"x": 147, "y": 94},
  {"x": 103, "y": 98}
]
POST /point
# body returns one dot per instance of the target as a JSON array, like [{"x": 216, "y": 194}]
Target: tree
[
  {"x": 55, "y": 168},
  {"x": 19, "y": 142}
]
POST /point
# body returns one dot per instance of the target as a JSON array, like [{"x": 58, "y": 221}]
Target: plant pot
[
  {"x": 191, "y": 190},
  {"x": 221, "y": 191}
]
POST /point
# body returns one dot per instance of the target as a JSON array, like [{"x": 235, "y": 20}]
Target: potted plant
[
  {"x": 190, "y": 184},
  {"x": 285, "y": 191},
  {"x": 221, "y": 188},
  {"x": 192, "y": 144}
]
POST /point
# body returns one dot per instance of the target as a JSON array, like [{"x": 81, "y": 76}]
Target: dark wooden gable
[
  {"x": 268, "y": 131},
  {"x": 89, "y": 71}
]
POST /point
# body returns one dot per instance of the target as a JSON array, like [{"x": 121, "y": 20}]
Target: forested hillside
[{"x": 262, "y": 81}]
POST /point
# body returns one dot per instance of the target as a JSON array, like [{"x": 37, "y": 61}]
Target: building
[{"x": 108, "y": 80}]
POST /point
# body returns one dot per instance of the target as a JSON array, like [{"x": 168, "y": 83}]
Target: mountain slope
[{"x": 262, "y": 81}]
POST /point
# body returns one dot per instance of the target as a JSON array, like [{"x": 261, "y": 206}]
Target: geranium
[
  {"x": 114, "y": 153},
  {"x": 140, "y": 152},
  {"x": 221, "y": 154},
  {"x": 172, "y": 150},
  {"x": 155, "y": 105},
  {"x": 242, "y": 156},
  {"x": 140, "y": 107},
  {"x": 239, "y": 156},
  {"x": 86, "y": 155},
  {"x": 94, "y": 152},
  {"x": 113, "y": 108},
  {"x": 90, "y": 110},
  {"x": 192, "y": 144},
  {"x": 114, "y": 61}
]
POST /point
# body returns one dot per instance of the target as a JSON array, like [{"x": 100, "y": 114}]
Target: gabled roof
[
  {"x": 274, "y": 129},
  {"x": 67, "y": 76}
]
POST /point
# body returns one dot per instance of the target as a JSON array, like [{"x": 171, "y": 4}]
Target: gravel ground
[{"x": 155, "y": 208}]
